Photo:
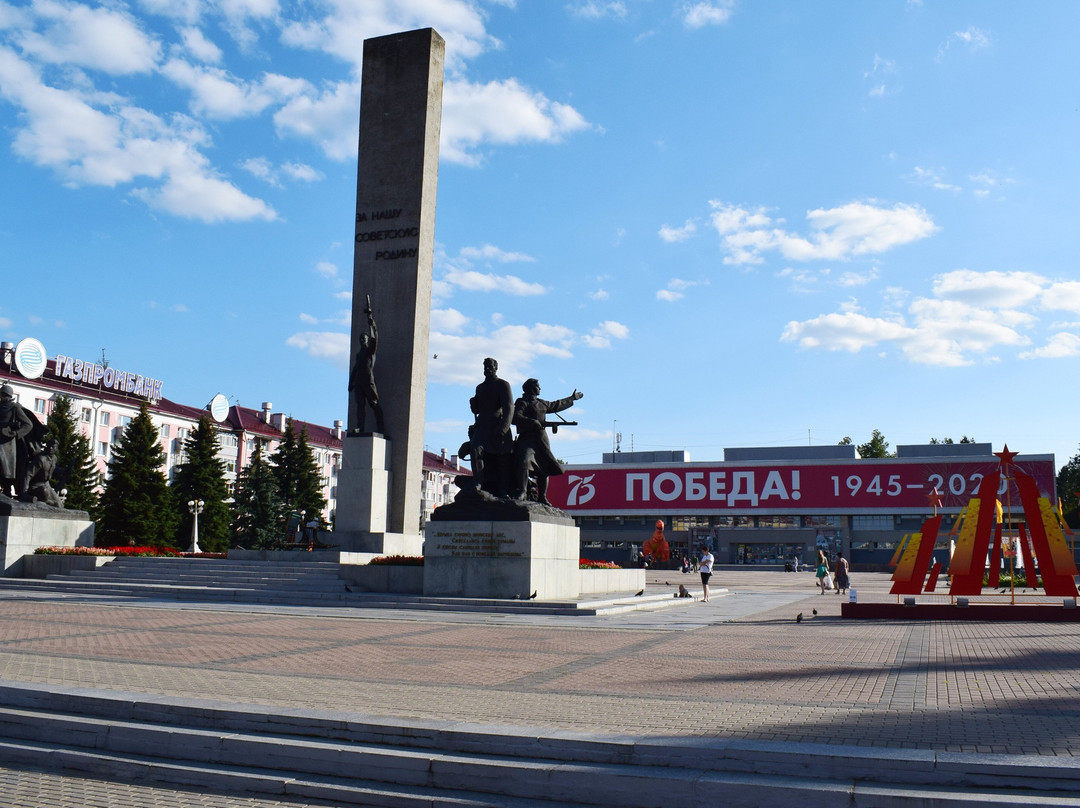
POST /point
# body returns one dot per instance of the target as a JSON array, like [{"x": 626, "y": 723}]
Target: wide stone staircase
[
  {"x": 293, "y": 583},
  {"x": 354, "y": 759}
]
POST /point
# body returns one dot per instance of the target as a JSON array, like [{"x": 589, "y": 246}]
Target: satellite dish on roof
[{"x": 219, "y": 408}]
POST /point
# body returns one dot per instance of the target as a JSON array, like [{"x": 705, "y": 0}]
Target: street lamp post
[{"x": 195, "y": 506}]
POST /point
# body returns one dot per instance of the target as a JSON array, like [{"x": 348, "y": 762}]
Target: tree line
[{"x": 138, "y": 506}]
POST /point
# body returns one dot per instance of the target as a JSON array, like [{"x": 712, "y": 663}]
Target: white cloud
[
  {"x": 599, "y": 294},
  {"x": 857, "y": 228},
  {"x": 309, "y": 319},
  {"x": 327, "y": 270},
  {"x": 995, "y": 289},
  {"x": 848, "y": 279},
  {"x": 448, "y": 320},
  {"x": 847, "y": 331},
  {"x": 119, "y": 143},
  {"x": 972, "y": 38},
  {"x": 489, "y": 252},
  {"x": 96, "y": 38},
  {"x": 515, "y": 346},
  {"x": 1061, "y": 345},
  {"x": 218, "y": 95},
  {"x": 706, "y": 12},
  {"x": 971, "y": 315},
  {"x": 601, "y": 336},
  {"x": 348, "y": 23},
  {"x": 473, "y": 281},
  {"x": 500, "y": 112},
  {"x": 675, "y": 234},
  {"x": 327, "y": 117},
  {"x": 323, "y": 345},
  {"x": 201, "y": 48},
  {"x": 934, "y": 178},
  {"x": 599, "y": 9},
  {"x": 260, "y": 167},
  {"x": 1064, "y": 295},
  {"x": 301, "y": 172},
  {"x": 675, "y": 290}
]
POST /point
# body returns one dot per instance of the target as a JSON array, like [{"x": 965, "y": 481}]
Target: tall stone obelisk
[{"x": 397, "y": 174}]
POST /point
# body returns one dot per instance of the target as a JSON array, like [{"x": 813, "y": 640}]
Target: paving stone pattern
[
  {"x": 31, "y": 788},
  {"x": 739, "y": 666}
]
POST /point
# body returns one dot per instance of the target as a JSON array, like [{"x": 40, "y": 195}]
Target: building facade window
[
  {"x": 39, "y": 405},
  {"x": 103, "y": 448},
  {"x": 87, "y": 415},
  {"x": 104, "y": 419}
]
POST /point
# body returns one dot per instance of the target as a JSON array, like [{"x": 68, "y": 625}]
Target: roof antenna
[{"x": 104, "y": 361}]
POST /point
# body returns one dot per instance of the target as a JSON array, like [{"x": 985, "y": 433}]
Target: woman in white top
[{"x": 705, "y": 567}]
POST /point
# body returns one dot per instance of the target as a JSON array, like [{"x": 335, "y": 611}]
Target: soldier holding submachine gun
[{"x": 532, "y": 452}]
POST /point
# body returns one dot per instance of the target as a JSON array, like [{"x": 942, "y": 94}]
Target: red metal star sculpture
[
  {"x": 935, "y": 499},
  {"x": 1006, "y": 456}
]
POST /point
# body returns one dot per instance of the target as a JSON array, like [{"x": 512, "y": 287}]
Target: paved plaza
[{"x": 737, "y": 667}]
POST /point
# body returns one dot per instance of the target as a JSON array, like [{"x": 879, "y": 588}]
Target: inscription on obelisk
[{"x": 397, "y": 173}]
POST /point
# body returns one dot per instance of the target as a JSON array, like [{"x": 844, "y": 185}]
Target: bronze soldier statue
[
  {"x": 532, "y": 451},
  {"x": 492, "y": 442},
  {"x": 362, "y": 378}
]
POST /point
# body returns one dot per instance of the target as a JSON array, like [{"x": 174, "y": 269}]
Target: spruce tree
[
  {"x": 202, "y": 477},
  {"x": 76, "y": 469},
  {"x": 137, "y": 507},
  {"x": 257, "y": 508},
  {"x": 309, "y": 496},
  {"x": 297, "y": 473}
]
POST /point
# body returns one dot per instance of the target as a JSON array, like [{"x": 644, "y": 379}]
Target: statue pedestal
[
  {"x": 363, "y": 498},
  {"x": 24, "y": 528},
  {"x": 502, "y": 559}
]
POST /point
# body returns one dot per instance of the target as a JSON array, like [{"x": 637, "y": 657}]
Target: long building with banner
[{"x": 771, "y": 505}]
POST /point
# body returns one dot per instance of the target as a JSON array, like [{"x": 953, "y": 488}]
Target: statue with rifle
[{"x": 532, "y": 451}]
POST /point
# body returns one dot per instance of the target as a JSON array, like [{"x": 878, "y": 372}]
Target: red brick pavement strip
[{"x": 1005, "y": 687}]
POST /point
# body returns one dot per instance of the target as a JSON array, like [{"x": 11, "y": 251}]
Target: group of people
[
  {"x": 503, "y": 465},
  {"x": 824, "y": 575}
]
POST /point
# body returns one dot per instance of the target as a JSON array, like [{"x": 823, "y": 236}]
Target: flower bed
[
  {"x": 398, "y": 561},
  {"x": 589, "y": 564}
]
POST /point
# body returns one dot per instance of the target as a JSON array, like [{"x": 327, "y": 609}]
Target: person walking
[
  {"x": 705, "y": 565},
  {"x": 842, "y": 580},
  {"x": 822, "y": 570}
]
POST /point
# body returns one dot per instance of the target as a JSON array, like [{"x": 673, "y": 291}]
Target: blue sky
[{"x": 727, "y": 223}]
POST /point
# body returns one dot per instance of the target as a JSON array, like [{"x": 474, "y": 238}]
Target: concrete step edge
[{"x": 33, "y": 709}]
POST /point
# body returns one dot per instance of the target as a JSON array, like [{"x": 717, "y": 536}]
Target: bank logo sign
[{"x": 30, "y": 358}]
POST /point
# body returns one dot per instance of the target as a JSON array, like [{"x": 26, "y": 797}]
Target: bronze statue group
[
  {"x": 27, "y": 455},
  {"x": 502, "y": 466}
]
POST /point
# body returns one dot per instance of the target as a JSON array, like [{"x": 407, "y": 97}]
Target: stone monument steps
[
  {"x": 358, "y": 759},
  {"x": 204, "y": 580},
  {"x": 68, "y": 585}
]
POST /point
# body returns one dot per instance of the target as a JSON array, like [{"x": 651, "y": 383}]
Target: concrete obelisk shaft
[{"x": 397, "y": 174}]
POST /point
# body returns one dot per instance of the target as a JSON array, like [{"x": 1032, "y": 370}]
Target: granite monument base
[
  {"x": 502, "y": 559},
  {"x": 364, "y": 484},
  {"x": 381, "y": 544},
  {"x": 26, "y": 527}
]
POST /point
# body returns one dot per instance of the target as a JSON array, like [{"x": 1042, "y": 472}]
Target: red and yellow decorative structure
[{"x": 1041, "y": 536}]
